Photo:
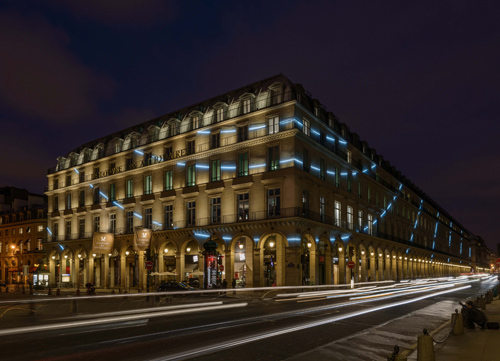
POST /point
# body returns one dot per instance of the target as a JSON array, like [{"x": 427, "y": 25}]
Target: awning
[{"x": 190, "y": 267}]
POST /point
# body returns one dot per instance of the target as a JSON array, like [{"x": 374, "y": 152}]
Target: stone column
[
  {"x": 363, "y": 277},
  {"x": 257, "y": 268},
  {"x": 76, "y": 272},
  {"x": 105, "y": 271},
  {"x": 228, "y": 266},
  {"x": 112, "y": 272},
  {"x": 90, "y": 269},
  {"x": 342, "y": 270},
  {"x": 313, "y": 267},
  {"x": 142, "y": 270},
  {"x": 373, "y": 267},
  {"x": 52, "y": 270},
  {"x": 98, "y": 275},
  {"x": 328, "y": 267},
  {"x": 123, "y": 271}
]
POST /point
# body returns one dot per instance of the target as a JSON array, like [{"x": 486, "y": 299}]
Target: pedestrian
[
  {"x": 474, "y": 315},
  {"x": 233, "y": 284},
  {"x": 224, "y": 283}
]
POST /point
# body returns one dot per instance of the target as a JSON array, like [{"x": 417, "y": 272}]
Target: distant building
[
  {"x": 285, "y": 193},
  {"x": 23, "y": 223}
]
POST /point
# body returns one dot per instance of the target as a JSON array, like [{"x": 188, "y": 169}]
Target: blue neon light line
[
  {"x": 283, "y": 122},
  {"x": 257, "y": 166},
  {"x": 314, "y": 131},
  {"x": 331, "y": 172},
  {"x": 354, "y": 174},
  {"x": 91, "y": 185},
  {"x": 76, "y": 170},
  {"x": 118, "y": 204},
  {"x": 330, "y": 139},
  {"x": 201, "y": 166},
  {"x": 257, "y": 127},
  {"x": 203, "y": 132},
  {"x": 374, "y": 166},
  {"x": 138, "y": 152},
  {"x": 341, "y": 141},
  {"x": 228, "y": 131},
  {"x": 345, "y": 238},
  {"x": 157, "y": 223},
  {"x": 181, "y": 164},
  {"x": 137, "y": 215},
  {"x": 343, "y": 173},
  {"x": 294, "y": 239},
  {"x": 315, "y": 168},
  {"x": 226, "y": 238},
  {"x": 299, "y": 123},
  {"x": 48, "y": 230},
  {"x": 365, "y": 170},
  {"x": 201, "y": 234},
  {"x": 383, "y": 213},
  {"x": 228, "y": 167},
  {"x": 287, "y": 160},
  {"x": 102, "y": 194}
]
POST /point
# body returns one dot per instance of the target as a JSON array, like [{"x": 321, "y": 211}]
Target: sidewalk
[{"x": 473, "y": 345}]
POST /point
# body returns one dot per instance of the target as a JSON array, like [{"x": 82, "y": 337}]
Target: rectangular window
[
  {"x": 305, "y": 203},
  {"x": 360, "y": 188},
  {"x": 273, "y": 125},
  {"x": 81, "y": 227},
  {"x": 97, "y": 223},
  {"x": 337, "y": 213},
  {"x": 246, "y": 106},
  {"x": 322, "y": 208},
  {"x": 112, "y": 223},
  {"x": 273, "y": 158},
  {"x": 322, "y": 173},
  {"x": 68, "y": 180},
  {"x": 370, "y": 224},
  {"x": 68, "y": 201},
  {"x": 337, "y": 177},
  {"x": 360, "y": 221},
  {"x": 168, "y": 184},
  {"x": 273, "y": 202},
  {"x": 215, "y": 140},
  {"x": 68, "y": 229},
  {"x": 369, "y": 194},
  {"x": 168, "y": 153},
  {"x": 305, "y": 160},
  {"x": 169, "y": 216},
  {"x": 243, "y": 207},
  {"x": 55, "y": 184},
  {"x": 81, "y": 175},
  {"x": 242, "y": 133},
  {"x": 148, "y": 184},
  {"x": 195, "y": 122},
  {"x": 40, "y": 244},
  {"x": 129, "y": 188},
  {"x": 350, "y": 217},
  {"x": 191, "y": 213},
  {"x": 112, "y": 192},
  {"x": 215, "y": 210},
  {"x": 349, "y": 182},
  {"x": 242, "y": 164},
  {"x": 306, "y": 127},
  {"x": 190, "y": 147},
  {"x": 56, "y": 230},
  {"x": 349, "y": 156},
  {"x": 55, "y": 206},
  {"x": 130, "y": 222},
  {"x": 81, "y": 198},
  {"x": 215, "y": 170},
  {"x": 97, "y": 196},
  {"x": 148, "y": 218},
  {"x": 190, "y": 175}
]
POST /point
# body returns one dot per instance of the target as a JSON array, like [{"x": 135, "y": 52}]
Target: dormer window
[
  {"x": 246, "y": 106},
  {"x": 195, "y": 121},
  {"x": 316, "y": 111},
  {"x": 219, "y": 114}
]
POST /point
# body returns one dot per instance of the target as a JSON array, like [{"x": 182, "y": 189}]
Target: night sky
[{"x": 418, "y": 80}]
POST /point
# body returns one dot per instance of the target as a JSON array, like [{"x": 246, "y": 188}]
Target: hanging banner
[
  {"x": 103, "y": 243},
  {"x": 142, "y": 238}
]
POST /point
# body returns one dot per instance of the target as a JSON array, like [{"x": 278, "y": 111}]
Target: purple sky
[{"x": 419, "y": 81}]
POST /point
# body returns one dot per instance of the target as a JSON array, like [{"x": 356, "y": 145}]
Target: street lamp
[
  {"x": 340, "y": 249},
  {"x": 127, "y": 253},
  {"x": 188, "y": 249},
  {"x": 240, "y": 245},
  {"x": 309, "y": 244},
  {"x": 271, "y": 244}
]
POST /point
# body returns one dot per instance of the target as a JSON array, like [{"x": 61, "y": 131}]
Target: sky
[{"x": 418, "y": 80}]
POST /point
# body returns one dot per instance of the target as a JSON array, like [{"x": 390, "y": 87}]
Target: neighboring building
[
  {"x": 287, "y": 193},
  {"x": 23, "y": 224}
]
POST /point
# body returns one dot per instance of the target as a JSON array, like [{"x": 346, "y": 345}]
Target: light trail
[
  {"x": 58, "y": 326},
  {"x": 241, "y": 341}
]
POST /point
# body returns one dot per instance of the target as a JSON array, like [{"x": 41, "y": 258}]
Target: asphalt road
[{"x": 227, "y": 327}]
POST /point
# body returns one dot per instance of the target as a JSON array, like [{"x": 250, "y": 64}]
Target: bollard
[
  {"x": 58, "y": 292},
  {"x": 50, "y": 291},
  {"x": 482, "y": 303},
  {"x": 487, "y": 297},
  {"x": 7, "y": 289},
  {"x": 425, "y": 348},
  {"x": 113, "y": 291},
  {"x": 23, "y": 291},
  {"x": 458, "y": 326}
]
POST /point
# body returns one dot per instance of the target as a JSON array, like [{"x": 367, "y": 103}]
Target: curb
[{"x": 413, "y": 347}]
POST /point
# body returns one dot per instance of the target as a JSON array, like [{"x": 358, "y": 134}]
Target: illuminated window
[
  {"x": 306, "y": 127},
  {"x": 215, "y": 210},
  {"x": 169, "y": 216},
  {"x": 349, "y": 156},
  {"x": 219, "y": 114},
  {"x": 129, "y": 188},
  {"x": 370, "y": 224},
  {"x": 337, "y": 213},
  {"x": 190, "y": 175},
  {"x": 191, "y": 213},
  {"x": 273, "y": 202},
  {"x": 97, "y": 223},
  {"x": 243, "y": 206},
  {"x": 242, "y": 164},
  {"x": 148, "y": 184},
  {"x": 246, "y": 105},
  {"x": 273, "y": 158},
  {"x": 112, "y": 223},
  {"x": 215, "y": 170},
  {"x": 322, "y": 208},
  {"x": 168, "y": 184},
  {"x": 273, "y": 125}
]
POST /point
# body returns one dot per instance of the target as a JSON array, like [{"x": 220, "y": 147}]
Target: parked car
[{"x": 174, "y": 286}]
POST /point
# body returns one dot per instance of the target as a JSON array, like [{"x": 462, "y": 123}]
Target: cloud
[
  {"x": 122, "y": 12},
  {"x": 39, "y": 75}
]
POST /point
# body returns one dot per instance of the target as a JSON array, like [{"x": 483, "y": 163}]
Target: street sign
[
  {"x": 351, "y": 264},
  {"x": 221, "y": 267},
  {"x": 149, "y": 265},
  {"x": 497, "y": 262}
]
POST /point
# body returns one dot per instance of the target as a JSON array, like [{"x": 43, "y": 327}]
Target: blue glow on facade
[
  {"x": 48, "y": 230},
  {"x": 383, "y": 213},
  {"x": 226, "y": 238},
  {"x": 331, "y": 172},
  {"x": 257, "y": 127},
  {"x": 283, "y": 122},
  {"x": 203, "y": 132},
  {"x": 118, "y": 204},
  {"x": 354, "y": 174},
  {"x": 138, "y": 152},
  {"x": 433, "y": 244},
  {"x": 315, "y": 168},
  {"x": 91, "y": 185},
  {"x": 202, "y": 166},
  {"x": 314, "y": 131},
  {"x": 103, "y": 195},
  {"x": 225, "y": 131},
  {"x": 157, "y": 223},
  {"x": 365, "y": 170},
  {"x": 330, "y": 139},
  {"x": 228, "y": 167},
  {"x": 375, "y": 222},
  {"x": 345, "y": 238},
  {"x": 400, "y": 186},
  {"x": 181, "y": 164},
  {"x": 61, "y": 246},
  {"x": 374, "y": 166},
  {"x": 411, "y": 238},
  {"x": 202, "y": 235},
  {"x": 341, "y": 141},
  {"x": 257, "y": 166},
  {"x": 298, "y": 122},
  {"x": 137, "y": 215},
  {"x": 76, "y": 170},
  {"x": 294, "y": 239},
  {"x": 344, "y": 174}
]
